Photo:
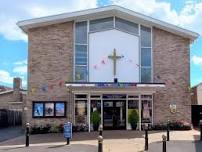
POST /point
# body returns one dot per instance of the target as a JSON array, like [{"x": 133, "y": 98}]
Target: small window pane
[
  {"x": 81, "y": 73},
  {"x": 81, "y": 54},
  {"x": 146, "y": 75},
  {"x": 126, "y": 26},
  {"x": 145, "y": 36},
  {"x": 101, "y": 24},
  {"x": 81, "y": 32},
  {"x": 146, "y": 57}
]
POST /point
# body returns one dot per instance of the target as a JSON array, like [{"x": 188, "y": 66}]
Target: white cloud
[
  {"x": 197, "y": 60},
  {"x": 188, "y": 17},
  {"x": 20, "y": 70},
  {"x": 23, "y": 62},
  {"x": 16, "y": 10},
  {"x": 5, "y": 77}
]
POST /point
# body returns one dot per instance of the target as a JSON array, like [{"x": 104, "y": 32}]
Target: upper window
[
  {"x": 145, "y": 36},
  {"x": 81, "y": 46},
  {"x": 146, "y": 54},
  {"x": 126, "y": 25},
  {"x": 101, "y": 24},
  {"x": 81, "y": 33}
]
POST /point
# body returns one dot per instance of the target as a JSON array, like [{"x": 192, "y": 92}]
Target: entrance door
[{"x": 114, "y": 114}]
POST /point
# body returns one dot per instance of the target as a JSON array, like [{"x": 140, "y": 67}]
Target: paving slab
[
  {"x": 9, "y": 133},
  {"x": 177, "y": 146}
]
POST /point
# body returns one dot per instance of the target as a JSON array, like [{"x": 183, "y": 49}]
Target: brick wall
[
  {"x": 171, "y": 64},
  {"x": 50, "y": 64},
  {"x": 51, "y": 61}
]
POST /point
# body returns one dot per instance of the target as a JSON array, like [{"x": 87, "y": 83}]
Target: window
[
  {"x": 81, "y": 45},
  {"x": 146, "y": 57},
  {"x": 145, "y": 36},
  {"x": 49, "y": 109},
  {"x": 146, "y": 75},
  {"x": 146, "y": 54},
  {"x": 81, "y": 33},
  {"x": 101, "y": 24},
  {"x": 126, "y": 26}
]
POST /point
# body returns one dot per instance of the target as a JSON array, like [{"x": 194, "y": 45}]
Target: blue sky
[{"x": 13, "y": 42}]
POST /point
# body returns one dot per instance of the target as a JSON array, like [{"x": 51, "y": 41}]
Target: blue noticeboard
[{"x": 68, "y": 130}]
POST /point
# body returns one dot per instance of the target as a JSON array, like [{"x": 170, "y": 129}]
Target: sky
[{"x": 14, "y": 45}]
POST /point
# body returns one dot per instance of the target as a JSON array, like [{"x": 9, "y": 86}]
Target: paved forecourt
[{"x": 114, "y": 141}]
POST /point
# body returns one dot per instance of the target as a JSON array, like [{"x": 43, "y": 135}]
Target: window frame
[{"x": 54, "y": 115}]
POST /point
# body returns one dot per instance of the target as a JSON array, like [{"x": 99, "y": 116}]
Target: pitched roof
[{"x": 103, "y": 11}]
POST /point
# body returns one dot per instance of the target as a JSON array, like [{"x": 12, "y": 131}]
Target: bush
[
  {"x": 80, "y": 128},
  {"x": 133, "y": 117},
  {"x": 95, "y": 119},
  {"x": 174, "y": 125}
]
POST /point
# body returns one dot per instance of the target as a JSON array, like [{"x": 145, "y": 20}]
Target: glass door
[{"x": 114, "y": 114}]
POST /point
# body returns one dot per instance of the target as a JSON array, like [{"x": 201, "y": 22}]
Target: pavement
[
  {"x": 177, "y": 146},
  {"x": 114, "y": 141},
  {"x": 10, "y": 132}
]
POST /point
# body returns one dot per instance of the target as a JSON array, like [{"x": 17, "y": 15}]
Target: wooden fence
[{"x": 10, "y": 118}]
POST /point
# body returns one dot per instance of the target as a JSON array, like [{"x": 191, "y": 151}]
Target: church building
[{"x": 110, "y": 60}]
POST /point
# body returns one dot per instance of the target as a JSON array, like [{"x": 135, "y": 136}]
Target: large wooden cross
[{"x": 114, "y": 57}]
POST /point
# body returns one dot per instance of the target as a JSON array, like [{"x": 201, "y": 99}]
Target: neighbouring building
[
  {"x": 12, "y": 99},
  {"x": 196, "y": 100},
  {"x": 196, "y": 94},
  {"x": 11, "y": 104},
  {"x": 111, "y": 60}
]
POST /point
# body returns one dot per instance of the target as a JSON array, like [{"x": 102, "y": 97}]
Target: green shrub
[
  {"x": 95, "y": 118},
  {"x": 133, "y": 117}
]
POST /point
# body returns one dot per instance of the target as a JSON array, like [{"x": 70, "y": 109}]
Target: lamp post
[
  {"x": 168, "y": 130},
  {"x": 100, "y": 129}
]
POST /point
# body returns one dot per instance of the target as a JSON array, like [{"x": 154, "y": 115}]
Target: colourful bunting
[{"x": 103, "y": 62}]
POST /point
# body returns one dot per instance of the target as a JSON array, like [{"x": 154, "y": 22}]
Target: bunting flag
[
  {"x": 33, "y": 91},
  {"x": 95, "y": 66},
  {"x": 61, "y": 83},
  {"x": 103, "y": 62},
  {"x": 51, "y": 86},
  {"x": 137, "y": 65},
  {"x": 44, "y": 88}
]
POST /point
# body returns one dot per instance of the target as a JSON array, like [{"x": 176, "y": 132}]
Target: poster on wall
[
  {"x": 49, "y": 109},
  {"x": 38, "y": 109},
  {"x": 146, "y": 112},
  {"x": 81, "y": 111},
  {"x": 60, "y": 109}
]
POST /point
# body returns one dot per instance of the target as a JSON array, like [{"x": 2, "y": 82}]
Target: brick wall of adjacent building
[
  {"x": 50, "y": 62},
  {"x": 171, "y": 64}
]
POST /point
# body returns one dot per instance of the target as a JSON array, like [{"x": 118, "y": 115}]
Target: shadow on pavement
[{"x": 61, "y": 148}]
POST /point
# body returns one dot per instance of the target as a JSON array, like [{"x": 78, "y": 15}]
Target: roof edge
[{"x": 64, "y": 17}]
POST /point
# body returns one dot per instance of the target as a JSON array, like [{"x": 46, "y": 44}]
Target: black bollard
[
  {"x": 146, "y": 137},
  {"x": 27, "y": 134},
  {"x": 200, "y": 125},
  {"x": 68, "y": 141},
  {"x": 168, "y": 130},
  {"x": 164, "y": 143},
  {"x": 100, "y": 130},
  {"x": 100, "y": 144}
]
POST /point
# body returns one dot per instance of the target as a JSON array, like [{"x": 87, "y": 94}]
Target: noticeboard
[{"x": 68, "y": 130}]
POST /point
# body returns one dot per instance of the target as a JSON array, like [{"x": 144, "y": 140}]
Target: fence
[{"x": 10, "y": 118}]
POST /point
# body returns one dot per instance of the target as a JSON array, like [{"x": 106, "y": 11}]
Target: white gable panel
[{"x": 102, "y": 44}]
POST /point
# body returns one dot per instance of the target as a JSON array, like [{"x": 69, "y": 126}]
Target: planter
[
  {"x": 95, "y": 127},
  {"x": 133, "y": 126}
]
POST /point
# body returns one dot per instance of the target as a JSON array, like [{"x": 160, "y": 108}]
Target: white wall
[
  {"x": 101, "y": 45},
  {"x": 199, "y": 94}
]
